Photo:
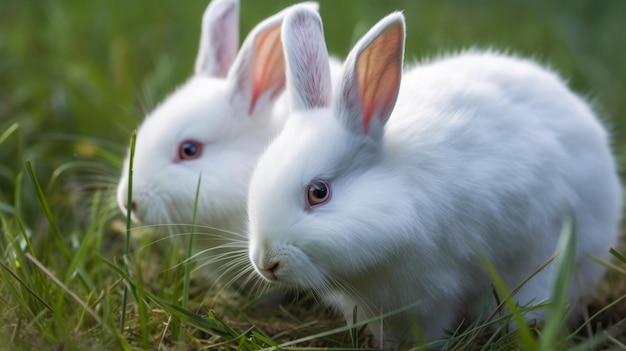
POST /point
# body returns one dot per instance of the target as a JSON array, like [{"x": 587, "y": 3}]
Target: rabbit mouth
[{"x": 285, "y": 264}]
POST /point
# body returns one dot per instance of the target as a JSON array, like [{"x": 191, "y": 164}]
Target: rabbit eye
[
  {"x": 189, "y": 150},
  {"x": 317, "y": 193}
]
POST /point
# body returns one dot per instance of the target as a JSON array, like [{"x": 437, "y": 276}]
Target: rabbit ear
[
  {"x": 308, "y": 71},
  {"x": 258, "y": 74},
  {"x": 372, "y": 75},
  {"x": 219, "y": 39}
]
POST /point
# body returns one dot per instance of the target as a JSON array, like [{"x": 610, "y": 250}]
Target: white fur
[
  {"x": 219, "y": 38},
  {"x": 483, "y": 154},
  {"x": 215, "y": 107}
]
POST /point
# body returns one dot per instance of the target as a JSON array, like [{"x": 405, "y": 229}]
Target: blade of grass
[
  {"x": 18, "y": 217},
  {"x": 141, "y": 305},
  {"x": 262, "y": 338},
  {"x": 129, "y": 202},
  {"x": 565, "y": 265},
  {"x": 188, "y": 261},
  {"x": 8, "y": 132},
  {"x": 76, "y": 267},
  {"x": 58, "y": 238},
  {"x": 527, "y": 342},
  {"x": 608, "y": 264},
  {"x": 607, "y": 307},
  {"x": 618, "y": 255}
]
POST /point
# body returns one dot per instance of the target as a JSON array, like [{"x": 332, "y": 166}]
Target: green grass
[{"x": 76, "y": 77}]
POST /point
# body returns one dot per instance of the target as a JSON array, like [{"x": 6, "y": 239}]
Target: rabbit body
[{"x": 484, "y": 154}]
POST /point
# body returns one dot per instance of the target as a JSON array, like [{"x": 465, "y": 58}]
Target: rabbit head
[
  {"x": 315, "y": 191},
  {"x": 213, "y": 127}
]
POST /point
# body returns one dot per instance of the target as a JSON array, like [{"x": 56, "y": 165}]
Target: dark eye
[
  {"x": 317, "y": 193},
  {"x": 189, "y": 150}
]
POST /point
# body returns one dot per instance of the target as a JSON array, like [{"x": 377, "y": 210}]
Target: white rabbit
[
  {"x": 386, "y": 194},
  {"x": 216, "y": 125}
]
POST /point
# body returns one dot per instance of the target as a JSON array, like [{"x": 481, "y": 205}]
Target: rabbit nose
[
  {"x": 273, "y": 268},
  {"x": 269, "y": 266},
  {"x": 269, "y": 271}
]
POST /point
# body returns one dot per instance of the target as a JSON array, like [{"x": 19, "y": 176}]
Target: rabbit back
[{"x": 501, "y": 145}]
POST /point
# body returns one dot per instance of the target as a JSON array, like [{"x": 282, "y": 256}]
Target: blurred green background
[{"x": 78, "y": 75}]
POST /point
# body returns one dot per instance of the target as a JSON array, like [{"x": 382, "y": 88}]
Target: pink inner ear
[
  {"x": 379, "y": 70},
  {"x": 269, "y": 66},
  {"x": 383, "y": 102}
]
